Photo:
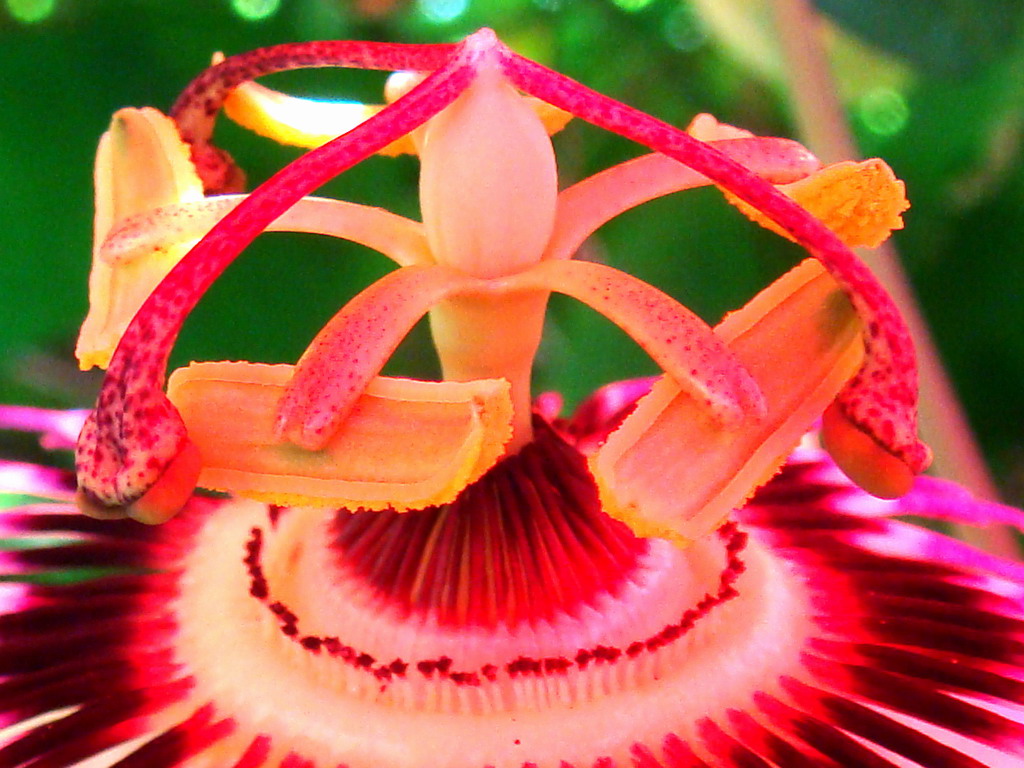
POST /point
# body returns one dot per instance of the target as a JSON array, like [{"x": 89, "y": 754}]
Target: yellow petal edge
[{"x": 406, "y": 444}]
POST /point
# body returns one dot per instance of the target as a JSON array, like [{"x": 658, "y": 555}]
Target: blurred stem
[{"x": 822, "y": 123}]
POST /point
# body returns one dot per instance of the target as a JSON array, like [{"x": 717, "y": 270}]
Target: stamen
[
  {"x": 301, "y": 122},
  {"x": 801, "y": 338},
  {"x": 881, "y": 399},
  {"x": 405, "y": 444},
  {"x": 682, "y": 344},
  {"x": 134, "y": 433},
  {"x": 860, "y": 202}
]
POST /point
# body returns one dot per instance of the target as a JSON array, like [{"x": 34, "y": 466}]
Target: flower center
[
  {"x": 518, "y": 600},
  {"x": 533, "y": 521}
]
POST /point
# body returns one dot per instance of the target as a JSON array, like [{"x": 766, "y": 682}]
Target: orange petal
[
  {"x": 405, "y": 444},
  {"x": 860, "y": 202},
  {"x": 672, "y": 472}
]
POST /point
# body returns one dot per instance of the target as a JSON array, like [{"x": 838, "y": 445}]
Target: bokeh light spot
[
  {"x": 255, "y": 10},
  {"x": 883, "y": 111},
  {"x": 683, "y": 28},
  {"x": 632, "y": 5},
  {"x": 31, "y": 11},
  {"x": 442, "y": 11}
]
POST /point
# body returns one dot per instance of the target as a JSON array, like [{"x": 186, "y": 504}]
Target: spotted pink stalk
[
  {"x": 588, "y": 204},
  {"x": 196, "y": 109}
]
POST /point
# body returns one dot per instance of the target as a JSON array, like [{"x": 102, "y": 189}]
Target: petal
[
  {"x": 860, "y": 202},
  {"x": 679, "y": 341},
  {"x": 57, "y": 429},
  {"x": 22, "y": 478},
  {"x": 944, "y": 500},
  {"x": 352, "y": 348},
  {"x": 404, "y": 443},
  {"x": 603, "y": 411},
  {"x": 816, "y": 635},
  {"x": 669, "y": 471}
]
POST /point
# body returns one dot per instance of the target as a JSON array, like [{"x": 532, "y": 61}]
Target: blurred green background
[{"x": 936, "y": 88}]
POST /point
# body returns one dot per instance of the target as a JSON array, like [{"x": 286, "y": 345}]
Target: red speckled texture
[
  {"x": 354, "y": 345},
  {"x": 882, "y": 398},
  {"x": 680, "y": 342},
  {"x": 134, "y": 433},
  {"x": 195, "y": 111}
]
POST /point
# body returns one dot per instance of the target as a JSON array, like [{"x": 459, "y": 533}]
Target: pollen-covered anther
[
  {"x": 298, "y": 121},
  {"x": 801, "y": 341},
  {"x": 682, "y": 344},
  {"x": 405, "y": 444},
  {"x": 861, "y": 202}
]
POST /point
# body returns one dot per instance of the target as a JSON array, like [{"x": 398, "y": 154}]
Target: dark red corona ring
[{"x": 816, "y": 630}]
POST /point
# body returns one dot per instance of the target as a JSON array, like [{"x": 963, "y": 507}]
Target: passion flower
[{"x": 410, "y": 573}]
